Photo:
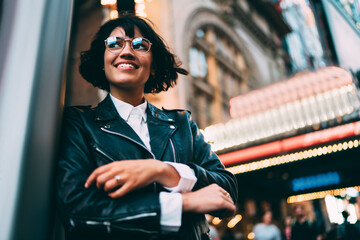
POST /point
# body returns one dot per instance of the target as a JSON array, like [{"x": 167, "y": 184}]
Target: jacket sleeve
[
  {"x": 90, "y": 209},
  {"x": 208, "y": 167}
]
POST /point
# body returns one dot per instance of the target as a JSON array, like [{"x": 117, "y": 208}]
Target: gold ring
[
  {"x": 117, "y": 178},
  {"x": 228, "y": 195}
]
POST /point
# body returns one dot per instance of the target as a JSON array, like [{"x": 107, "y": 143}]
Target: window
[
  {"x": 217, "y": 69},
  {"x": 198, "y": 64}
]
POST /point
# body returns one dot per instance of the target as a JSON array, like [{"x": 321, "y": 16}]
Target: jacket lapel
[
  {"x": 110, "y": 121},
  {"x": 161, "y": 127}
]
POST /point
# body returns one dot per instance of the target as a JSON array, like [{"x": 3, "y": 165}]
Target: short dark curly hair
[{"x": 165, "y": 64}]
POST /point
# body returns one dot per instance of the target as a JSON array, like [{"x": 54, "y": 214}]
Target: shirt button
[
  {"x": 172, "y": 127},
  {"x": 107, "y": 126}
]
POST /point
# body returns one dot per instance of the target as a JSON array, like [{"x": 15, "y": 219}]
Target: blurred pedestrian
[
  {"x": 332, "y": 233},
  {"x": 128, "y": 170},
  {"x": 214, "y": 234},
  {"x": 346, "y": 230},
  {"x": 266, "y": 230},
  {"x": 303, "y": 228},
  {"x": 286, "y": 233}
]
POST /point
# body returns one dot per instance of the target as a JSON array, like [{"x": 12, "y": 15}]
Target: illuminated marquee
[
  {"x": 291, "y": 144},
  {"x": 309, "y": 100}
]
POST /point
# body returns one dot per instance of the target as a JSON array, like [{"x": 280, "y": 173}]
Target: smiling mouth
[{"x": 126, "y": 66}]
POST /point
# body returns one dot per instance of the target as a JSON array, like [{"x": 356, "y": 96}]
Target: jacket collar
[
  {"x": 161, "y": 126},
  {"x": 106, "y": 111},
  {"x": 158, "y": 114}
]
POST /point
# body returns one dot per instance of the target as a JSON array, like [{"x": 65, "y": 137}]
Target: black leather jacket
[{"x": 92, "y": 137}]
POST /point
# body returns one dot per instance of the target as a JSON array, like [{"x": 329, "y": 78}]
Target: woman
[
  {"x": 286, "y": 233},
  {"x": 266, "y": 230},
  {"x": 128, "y": 170}
]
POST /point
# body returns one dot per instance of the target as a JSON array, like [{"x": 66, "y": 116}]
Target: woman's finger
[
  {"x": 228, "y": 197},
  {"x": 228, "y": 205},
  {"x": 113, "y": 183},
  {"x": 93, "y": 176},
  {"x": 105, "y": 177},
  {"x": 124, "y": 189}
]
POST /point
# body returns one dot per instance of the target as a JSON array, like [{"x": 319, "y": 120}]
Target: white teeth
[{"x": 126, "y": 65}]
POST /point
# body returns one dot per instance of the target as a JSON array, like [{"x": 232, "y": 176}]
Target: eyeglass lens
[{"x": 140, "y": 45}]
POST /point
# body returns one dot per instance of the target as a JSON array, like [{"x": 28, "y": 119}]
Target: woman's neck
[{"x": 134, "y": 98}]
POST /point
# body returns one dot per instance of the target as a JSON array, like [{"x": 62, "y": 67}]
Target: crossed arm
[{"x": 134, "y": 174}]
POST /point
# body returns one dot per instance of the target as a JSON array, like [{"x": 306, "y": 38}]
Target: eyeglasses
[{"x": 116, "y": 44}]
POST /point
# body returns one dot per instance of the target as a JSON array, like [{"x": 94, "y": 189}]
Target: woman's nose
[{"x": 127, "y": 50}]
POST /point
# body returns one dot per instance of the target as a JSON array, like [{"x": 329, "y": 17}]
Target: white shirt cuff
[
  {"x": 187, "y": 178},
  {"x": 171, "y": 210}
]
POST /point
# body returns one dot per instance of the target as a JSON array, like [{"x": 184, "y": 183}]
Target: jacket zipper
[
  {"x": 136, "y": 216},
  {"x": 107, "y": 224},
  {"x": 103, "y": 153},
  {"x": 173, "y": 149},
  {"x": 130, "y": 139}
]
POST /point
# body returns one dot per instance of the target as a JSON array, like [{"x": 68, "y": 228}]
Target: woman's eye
[
  {"x": 139, "y": 46},
  {"x": 114, "y": 45}
]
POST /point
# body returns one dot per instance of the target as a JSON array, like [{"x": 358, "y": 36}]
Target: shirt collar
[{"x": 125, "y": 110}]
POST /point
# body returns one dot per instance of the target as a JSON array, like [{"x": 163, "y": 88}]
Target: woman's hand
[
  {"x": 208, "y": 199},
  {"x": 128, "y": 175}
]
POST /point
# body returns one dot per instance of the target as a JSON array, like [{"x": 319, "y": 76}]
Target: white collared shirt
[{"x": 170, "y": 202}]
